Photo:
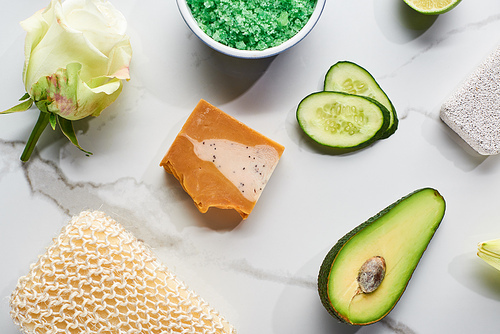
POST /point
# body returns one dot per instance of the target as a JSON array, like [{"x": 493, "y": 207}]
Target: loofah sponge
[
  {"x": 473, "y": 110},
  {"x": 98, "y": 278}
]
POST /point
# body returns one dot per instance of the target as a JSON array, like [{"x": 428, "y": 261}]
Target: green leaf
[
  {"x": 42, "y": 106},
  {"x": 41, "y": 124},
  {"x": 53, "y": 120},
  {"x": 23, "y": 106},
  {"x": 67, "y": 129},
  {"x": 25, "y": 97}
]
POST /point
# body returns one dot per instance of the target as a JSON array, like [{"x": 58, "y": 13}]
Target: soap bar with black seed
[{"x": 221, "y": 162}]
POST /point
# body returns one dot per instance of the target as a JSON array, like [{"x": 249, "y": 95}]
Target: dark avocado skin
[{"x": 324, "y": 272}]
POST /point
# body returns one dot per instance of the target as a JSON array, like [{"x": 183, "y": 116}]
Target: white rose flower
[{"x": 76, "y": 56}]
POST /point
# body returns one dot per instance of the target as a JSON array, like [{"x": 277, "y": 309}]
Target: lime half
[{"x": 432, "y": 7}]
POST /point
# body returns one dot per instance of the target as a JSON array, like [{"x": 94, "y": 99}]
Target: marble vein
[
  {"x": 492, "y": 19},
  {"x": 284, "y": 278},
  {"x": 132, "y": 203},
  {"x": 122, "y": 198},
  {"x": 396, "y": 326}
]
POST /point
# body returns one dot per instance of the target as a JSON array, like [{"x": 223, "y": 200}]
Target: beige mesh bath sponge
[{"x": 98, "y": 278}]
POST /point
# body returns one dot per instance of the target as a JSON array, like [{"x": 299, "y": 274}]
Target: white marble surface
[{"x": 261, "y": 273}]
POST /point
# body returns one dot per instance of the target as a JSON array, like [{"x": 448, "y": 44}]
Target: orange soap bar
[{"x": 220, "y": 162}]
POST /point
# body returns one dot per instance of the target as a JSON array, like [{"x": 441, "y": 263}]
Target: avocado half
[{"x": 399, "y": 234}]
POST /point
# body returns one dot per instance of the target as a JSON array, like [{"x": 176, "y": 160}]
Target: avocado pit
[{"x": 371, "y": 274}]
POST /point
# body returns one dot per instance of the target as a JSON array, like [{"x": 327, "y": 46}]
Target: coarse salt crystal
[{"x": 251, "y": 24}]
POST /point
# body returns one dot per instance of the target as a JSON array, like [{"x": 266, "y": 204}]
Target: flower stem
[{"x": 41, "y": 124}]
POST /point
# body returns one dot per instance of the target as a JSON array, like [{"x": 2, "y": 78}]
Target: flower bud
[
  {"x": 489, "y": 251},
  {"x": 76, "y": 56}
]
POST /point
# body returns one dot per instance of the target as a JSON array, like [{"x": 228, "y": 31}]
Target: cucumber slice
[
  {"x": 342, "y": 120},
  {"x": 351, "y": 78}
]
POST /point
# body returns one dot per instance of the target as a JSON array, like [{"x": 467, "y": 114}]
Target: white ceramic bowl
[{"x": 250, "y": 54}]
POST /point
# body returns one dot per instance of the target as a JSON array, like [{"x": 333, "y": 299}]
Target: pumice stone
[{"x": 473, "y": 110}]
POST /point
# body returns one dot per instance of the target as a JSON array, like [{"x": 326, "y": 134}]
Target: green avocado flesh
[{"x": 399, "y": 234}]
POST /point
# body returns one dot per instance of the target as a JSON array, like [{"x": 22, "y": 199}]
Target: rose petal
[
  {"x": 101, "y": 24},
  {"x": 119, "y": 60},
  {"x": 62, "y": 45},
  {"x": 99, "y": 97},
  {"x": 36, "y": 27},
  {"x": 64, "y": 93},
  {"x": 53, "y": 43}
]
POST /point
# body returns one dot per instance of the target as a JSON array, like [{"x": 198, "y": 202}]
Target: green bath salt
[{"x": 251, "y": 24}]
